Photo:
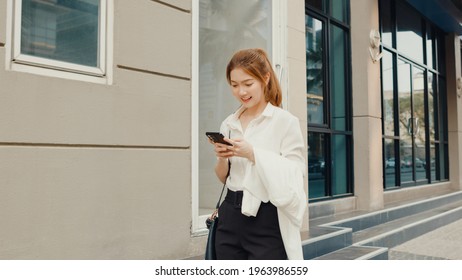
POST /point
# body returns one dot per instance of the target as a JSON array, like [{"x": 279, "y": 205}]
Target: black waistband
[{"x": 234, "y": 197}]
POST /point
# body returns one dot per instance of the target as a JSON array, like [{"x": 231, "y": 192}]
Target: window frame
[
  {"x": 429, "y": 31},
  {"x": 50, "y": 67},
  {"x": 329, "y": 21}
]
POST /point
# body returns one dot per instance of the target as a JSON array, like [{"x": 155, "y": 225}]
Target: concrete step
[
  {"x": 372, "y": 234},
  {"x": 323, "y": 240},
  {"x": 397, "y": 232},
  {"x": 357, "y": 253}
]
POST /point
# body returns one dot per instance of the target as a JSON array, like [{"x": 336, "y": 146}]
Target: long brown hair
[{"x": 255, "y": 62}]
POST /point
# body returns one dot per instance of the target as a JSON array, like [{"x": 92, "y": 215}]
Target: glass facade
[
  {"x": 61, "y": 30},
  {"x": 414, "y": 110},
  {"x": 328, "y": 98}
]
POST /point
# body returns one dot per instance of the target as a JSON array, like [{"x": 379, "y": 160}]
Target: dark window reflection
[
  {"x": 339, "y": 9},
  {"x": 386, "y": 20},
  {"x": 318, "y": 4},
  {"x": 316, "y": 165},
  {"x": 61, "y": 30},
  {"x": 390, "y": 163},
  {"x": 338, "y": 78},
  {"x": 409, "y": 38}
]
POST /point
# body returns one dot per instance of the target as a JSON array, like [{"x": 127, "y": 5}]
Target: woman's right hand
[{"x": 222, "y": 151}]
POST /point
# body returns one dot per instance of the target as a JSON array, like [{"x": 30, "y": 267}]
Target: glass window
[
  {"x": 339, "y": 10},
  {"x": 316, "y": 165},
  {"x": 388, "y": 94},
  {"x": 339, "y": 164},
  {"x": 390, "y": 163},
  {"x": 415, "y": 122},
  {"x": 386, "y": 22},
  {"x": 68, "y": 32},
  {"x": 419, "y": 128},
  {"x": 432, "y": 116},
  {"x": 318, "y": 4},
  {"x": 328, "y": 100},
  {"x": 409, "y": 37},
  {"x": 338, "y": 78},
  {"x": 315, "y": 70},
  {"x": 65, "y": 30},
  {"x": 440, "y": 46},
  {"x": 430, "y": 46}
]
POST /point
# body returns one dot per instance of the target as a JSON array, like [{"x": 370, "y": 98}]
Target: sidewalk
[{"x": 444, "y": 243}]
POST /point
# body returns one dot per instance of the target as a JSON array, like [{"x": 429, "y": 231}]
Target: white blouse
[{"x": 278, "y": 172}]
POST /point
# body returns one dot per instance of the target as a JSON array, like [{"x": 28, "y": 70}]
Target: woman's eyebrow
[{"x": 246, "y": 80}]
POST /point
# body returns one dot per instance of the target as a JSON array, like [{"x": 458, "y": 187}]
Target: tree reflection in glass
[{"x": 314, "y": 70}]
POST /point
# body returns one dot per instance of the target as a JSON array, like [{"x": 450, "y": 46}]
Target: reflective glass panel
[
  {"x": 432, "y": 106},
  {"x": 318, "y": 4},
  {"x": 338, "y": 78},
  {"x": 433, "y": 161},
  {"x": 432, "y": 117},
  {"x": 390, "y": 163},
  {"x": 339, "y": 9},
  {"x": 315, "y": 70},
  {"x": 61, "y": 30},
  {"x": 405, "y": 121},
  {"x": 430, "y": 43},
  {"x": 386, "y": 21},
  {"x": 316, "y": 165},
  {"x": 440, "y": 46},
  {"x": 409, "y": 37},
  {"x": 443, "y": 122},
  {"x": 339, "y": 164},
  {"x": 223, "y": 29},
  {"x": 388, "y": 94},
  {"x": 418, "y": 121}
]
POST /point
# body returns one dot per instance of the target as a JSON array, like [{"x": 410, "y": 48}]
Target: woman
[{"x": 261, "y": 215}]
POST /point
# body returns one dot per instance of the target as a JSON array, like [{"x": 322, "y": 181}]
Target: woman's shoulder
[{"x": 284, "y": 115}]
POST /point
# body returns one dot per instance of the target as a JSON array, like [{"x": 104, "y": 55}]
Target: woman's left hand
[{"x": 241, "y": 148}]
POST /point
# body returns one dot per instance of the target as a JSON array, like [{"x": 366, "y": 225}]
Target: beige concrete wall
[
  {"x": 367, "y": 123},
  {"x": 454, "y": 72},
  {"x": 296, "y": 61},
  {"x": 454, "y": 98},
  {"x": 91, "y": 171}
]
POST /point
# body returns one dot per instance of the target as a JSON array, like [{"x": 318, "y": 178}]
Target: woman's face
[{"x": 248, "y": 90}]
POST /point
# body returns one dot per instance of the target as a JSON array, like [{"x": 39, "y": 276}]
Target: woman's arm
[{"x": 221, "y": 168}]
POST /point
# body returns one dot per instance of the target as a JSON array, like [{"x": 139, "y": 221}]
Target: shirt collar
[{"x": 267, "y": 112}]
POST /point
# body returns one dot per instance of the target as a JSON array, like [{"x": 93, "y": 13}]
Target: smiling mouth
[{"x": 246, "y": 99}]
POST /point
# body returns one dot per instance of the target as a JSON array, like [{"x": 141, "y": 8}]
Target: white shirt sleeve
[{"x": 282, "y": 174}]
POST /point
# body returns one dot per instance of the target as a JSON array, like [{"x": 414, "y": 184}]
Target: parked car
[{"x": 390, "y": 163}]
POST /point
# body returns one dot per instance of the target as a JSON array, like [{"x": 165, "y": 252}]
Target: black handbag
[{"x": 212, "y": 223}]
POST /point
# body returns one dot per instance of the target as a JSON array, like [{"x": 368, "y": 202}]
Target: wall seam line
[{"x": 89, "y": 146}]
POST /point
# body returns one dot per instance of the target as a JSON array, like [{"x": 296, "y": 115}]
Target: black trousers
[{"x": 240, "y": 237}]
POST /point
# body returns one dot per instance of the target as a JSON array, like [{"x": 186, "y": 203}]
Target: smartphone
[{"x": 217, "y": 137}]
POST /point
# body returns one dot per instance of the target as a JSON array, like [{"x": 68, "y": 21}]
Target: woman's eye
[{"x": 249, "y": 85}]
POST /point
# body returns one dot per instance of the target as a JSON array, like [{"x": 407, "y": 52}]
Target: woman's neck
[{"x": 255, "y": 111}]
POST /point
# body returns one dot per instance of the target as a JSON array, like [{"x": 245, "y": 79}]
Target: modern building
[{"x": 104, "y": 105}]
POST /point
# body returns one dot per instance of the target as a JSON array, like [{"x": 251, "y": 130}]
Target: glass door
[
  {"x": 221, "y": 29},
  {"x": 412, "y": 123}
]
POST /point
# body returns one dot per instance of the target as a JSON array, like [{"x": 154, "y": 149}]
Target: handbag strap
[
  {"x": 224, "y": 185},
  {"x": 226, "y": 178}
]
